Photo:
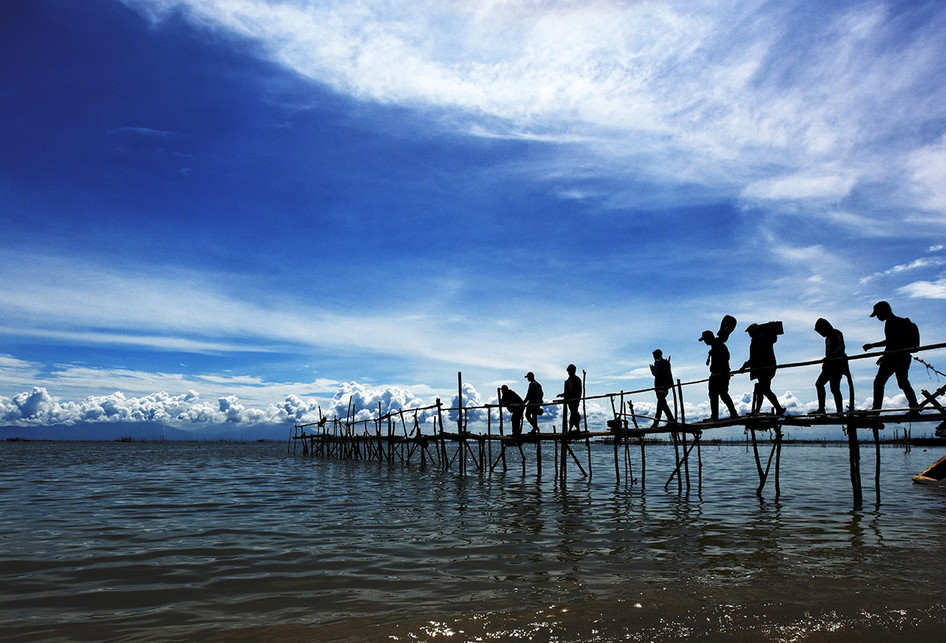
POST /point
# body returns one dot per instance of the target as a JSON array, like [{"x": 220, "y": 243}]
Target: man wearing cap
[
  {"x": 533, "y": 403},
  {"x": 900, "y": 335},
  {"x": 718, "y": 362}
]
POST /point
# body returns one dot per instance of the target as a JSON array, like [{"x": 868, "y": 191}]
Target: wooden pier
[{"x": 399, "y": 436}]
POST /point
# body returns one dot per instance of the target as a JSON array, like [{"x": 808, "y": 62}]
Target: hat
[
  {"x": 880, "y": 305},
  {"x": 707, "y": 336},
  {"x": 530, "y": 375},
  {"x": 751, "y": 327}
]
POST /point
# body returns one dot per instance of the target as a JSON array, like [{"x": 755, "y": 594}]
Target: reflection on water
[{"x": 119, "y": 541}]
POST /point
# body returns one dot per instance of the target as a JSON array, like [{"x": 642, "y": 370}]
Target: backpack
[{"x": 911, "y": 333}]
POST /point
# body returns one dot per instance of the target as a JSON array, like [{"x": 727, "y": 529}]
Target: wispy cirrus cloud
[
  {"x": 926, "y": 289},
  {"x": 769, "y": 101},
  {"x": 63, "y": 298}
]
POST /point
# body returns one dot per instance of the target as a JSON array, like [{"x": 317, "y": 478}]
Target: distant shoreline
[{"x": 725, "y": 442}]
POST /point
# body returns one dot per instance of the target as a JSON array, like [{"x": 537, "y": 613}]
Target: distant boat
[{"x": 935, "y": 474}]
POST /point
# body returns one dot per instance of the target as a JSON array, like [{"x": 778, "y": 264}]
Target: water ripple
[{"x": 122, "y": 542}]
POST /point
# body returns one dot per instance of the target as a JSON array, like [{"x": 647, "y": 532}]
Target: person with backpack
[{"x": 901, "y": 337}]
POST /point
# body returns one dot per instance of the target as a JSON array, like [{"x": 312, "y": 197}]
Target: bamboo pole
[
  {"x": 641, "y": 438},
  {"x": 628, "y": 469},
  {"x": 616, "y": 441},
  {"x": 440, "y": 439},
  {"x": 538, "y": 452},
  {"x": 460, "y": 431},
  {"x": 561, "y": 463},
  {"x": 489, "y": 434},
  {"x": 501, "y": 431},
  {"x": 854, "y": 455},
  {"x": 876, "y": 463},
  {"x": 584, "y": 411}
]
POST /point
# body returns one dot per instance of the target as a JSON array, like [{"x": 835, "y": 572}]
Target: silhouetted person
[
  {"x": 718, "y": 362},
  {"x": 511, "y": 400},
  {"x": 834, "y": 367},
  {"x": 761, "y": 364},
  {"x": 533, "y": 402},
  {"x": 572, "y": 396},
  {"x": 663, "y": 381},
  {"x": 900, "y": 334}
]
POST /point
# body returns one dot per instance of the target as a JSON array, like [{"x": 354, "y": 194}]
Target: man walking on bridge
[
  {"x": 572, "y": 395},
  {"x": 533, "y": 403},
  {"x": 718, "y": 362},
  {"x": 900, "y": 337}
]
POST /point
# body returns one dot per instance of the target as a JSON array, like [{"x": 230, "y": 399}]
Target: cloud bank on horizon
[{"x": 275, "y": 198}]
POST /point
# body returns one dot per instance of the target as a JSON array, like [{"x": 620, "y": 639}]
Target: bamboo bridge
[{"x": 398, "y": 436}]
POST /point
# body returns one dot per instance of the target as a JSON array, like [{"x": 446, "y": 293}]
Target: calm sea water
[{"x": 221, "y": 542}]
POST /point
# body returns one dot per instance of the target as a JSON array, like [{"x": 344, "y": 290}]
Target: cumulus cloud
[
  {"x": 471, "y": 398},
  {"x": 351, "y": 402},
  {"x": 186, "y": 410},
  {"x": 359, "y": 402}
]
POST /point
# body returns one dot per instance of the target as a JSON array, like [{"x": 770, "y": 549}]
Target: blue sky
[{"x": 262, "y": 201}]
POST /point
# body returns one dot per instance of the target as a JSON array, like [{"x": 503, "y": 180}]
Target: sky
[{"x": 243, "y": 211}]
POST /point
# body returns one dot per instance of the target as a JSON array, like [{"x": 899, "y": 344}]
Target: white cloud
[
  {"x": 83, "y": 303},
  {"x": 932, "y": 261},
  {"x": 359, "y": 402},
  {"x": 146, "y": 132},
  {"x": 926, "y": 289},
  {"x": 15, "y": 371},
  {"x": 928, "y": 168},
  {"x": 39, "y": 408},
  {"x": 765, "y": 100},
  {"x": 830, "y": 187}
]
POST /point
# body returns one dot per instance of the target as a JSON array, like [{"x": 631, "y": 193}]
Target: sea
[{"x": 191, "y": 541}]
